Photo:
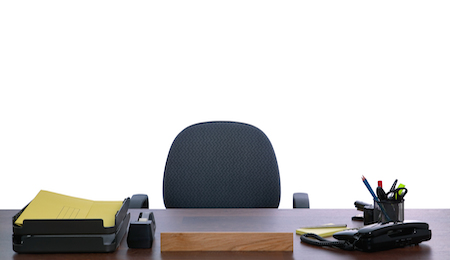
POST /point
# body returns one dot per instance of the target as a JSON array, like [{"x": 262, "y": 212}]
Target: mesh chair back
[{"x": 221, "y": 165}]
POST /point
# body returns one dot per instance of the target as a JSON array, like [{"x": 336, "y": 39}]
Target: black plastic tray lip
[
  {"x": 78, "y": 244},
  {"x": 68, "y": 226}
]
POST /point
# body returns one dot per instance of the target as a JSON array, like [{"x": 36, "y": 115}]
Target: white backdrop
[{"x": 94, "y": 92}]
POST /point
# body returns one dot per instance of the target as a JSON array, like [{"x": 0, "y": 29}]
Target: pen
[
  {"x": 380, "y": 192},
  {"x": 327, "y": 226},
  {"x": 393, "y": 185}
]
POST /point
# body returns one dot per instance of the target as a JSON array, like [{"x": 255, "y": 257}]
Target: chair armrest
[
  {"x": 139, "y": 201},
  {"x": 301, "y": 200}
]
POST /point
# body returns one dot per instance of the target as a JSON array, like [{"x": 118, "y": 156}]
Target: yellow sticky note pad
[
  {"x": 50, "y": 205},
  {"x": 323, "y": 231}
]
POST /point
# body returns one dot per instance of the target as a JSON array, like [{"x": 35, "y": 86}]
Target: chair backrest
[{"x": 221, "y": 165}]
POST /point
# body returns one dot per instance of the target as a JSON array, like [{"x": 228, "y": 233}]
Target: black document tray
[{"x": 70, "y": 235}]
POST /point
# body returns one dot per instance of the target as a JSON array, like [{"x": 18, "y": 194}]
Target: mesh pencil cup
[{"x": 389, "y": 211}]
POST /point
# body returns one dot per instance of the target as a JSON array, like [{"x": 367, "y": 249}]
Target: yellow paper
[
  {"x": 50, "y": 205},
  {"x": 105, "y": 210},
  {"x": 323, "y": 232}
]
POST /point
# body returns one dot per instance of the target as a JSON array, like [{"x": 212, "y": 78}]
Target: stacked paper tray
[{"x": 70, "y": 235}]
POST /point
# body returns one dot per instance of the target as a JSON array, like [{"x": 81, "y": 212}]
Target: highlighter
[{"x": 399, "y": 193}]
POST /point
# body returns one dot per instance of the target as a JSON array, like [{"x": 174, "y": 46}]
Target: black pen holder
[{"x": 389, "y": 211}]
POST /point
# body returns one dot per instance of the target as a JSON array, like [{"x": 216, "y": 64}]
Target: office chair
[{"x": 223, "y": 165}]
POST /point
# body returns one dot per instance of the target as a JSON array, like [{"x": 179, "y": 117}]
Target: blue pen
[{"x": 375, "y": 198}]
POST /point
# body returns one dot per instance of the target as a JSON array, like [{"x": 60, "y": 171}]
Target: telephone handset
[{"x": 376, "y": 237}]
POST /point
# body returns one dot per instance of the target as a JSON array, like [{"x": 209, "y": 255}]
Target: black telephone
[{"x": 376, "y": 237}]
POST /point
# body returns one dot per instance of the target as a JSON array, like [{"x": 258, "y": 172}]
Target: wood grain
[{"x": 226, "y": 241}]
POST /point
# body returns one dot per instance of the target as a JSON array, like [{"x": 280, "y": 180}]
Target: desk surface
[{"x": 271, "y": 220}]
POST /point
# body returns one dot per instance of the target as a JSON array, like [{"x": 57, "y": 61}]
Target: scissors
[{"x": 397, "y": 194}]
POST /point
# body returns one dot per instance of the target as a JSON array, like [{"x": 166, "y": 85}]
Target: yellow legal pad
[
  {"x": 323, "y": 231},
  {"x": 50, "y": 205}
]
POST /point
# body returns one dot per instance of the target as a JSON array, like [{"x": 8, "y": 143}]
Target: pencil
[
  {"x": 370, "y": 189},
  {"x": 376, "y": 198}
]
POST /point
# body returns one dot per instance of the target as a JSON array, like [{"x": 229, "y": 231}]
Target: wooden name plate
[{"x": 227, "y": 241}]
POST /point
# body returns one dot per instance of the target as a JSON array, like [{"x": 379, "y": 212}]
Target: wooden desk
[{"x": 280, "y": 220}]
